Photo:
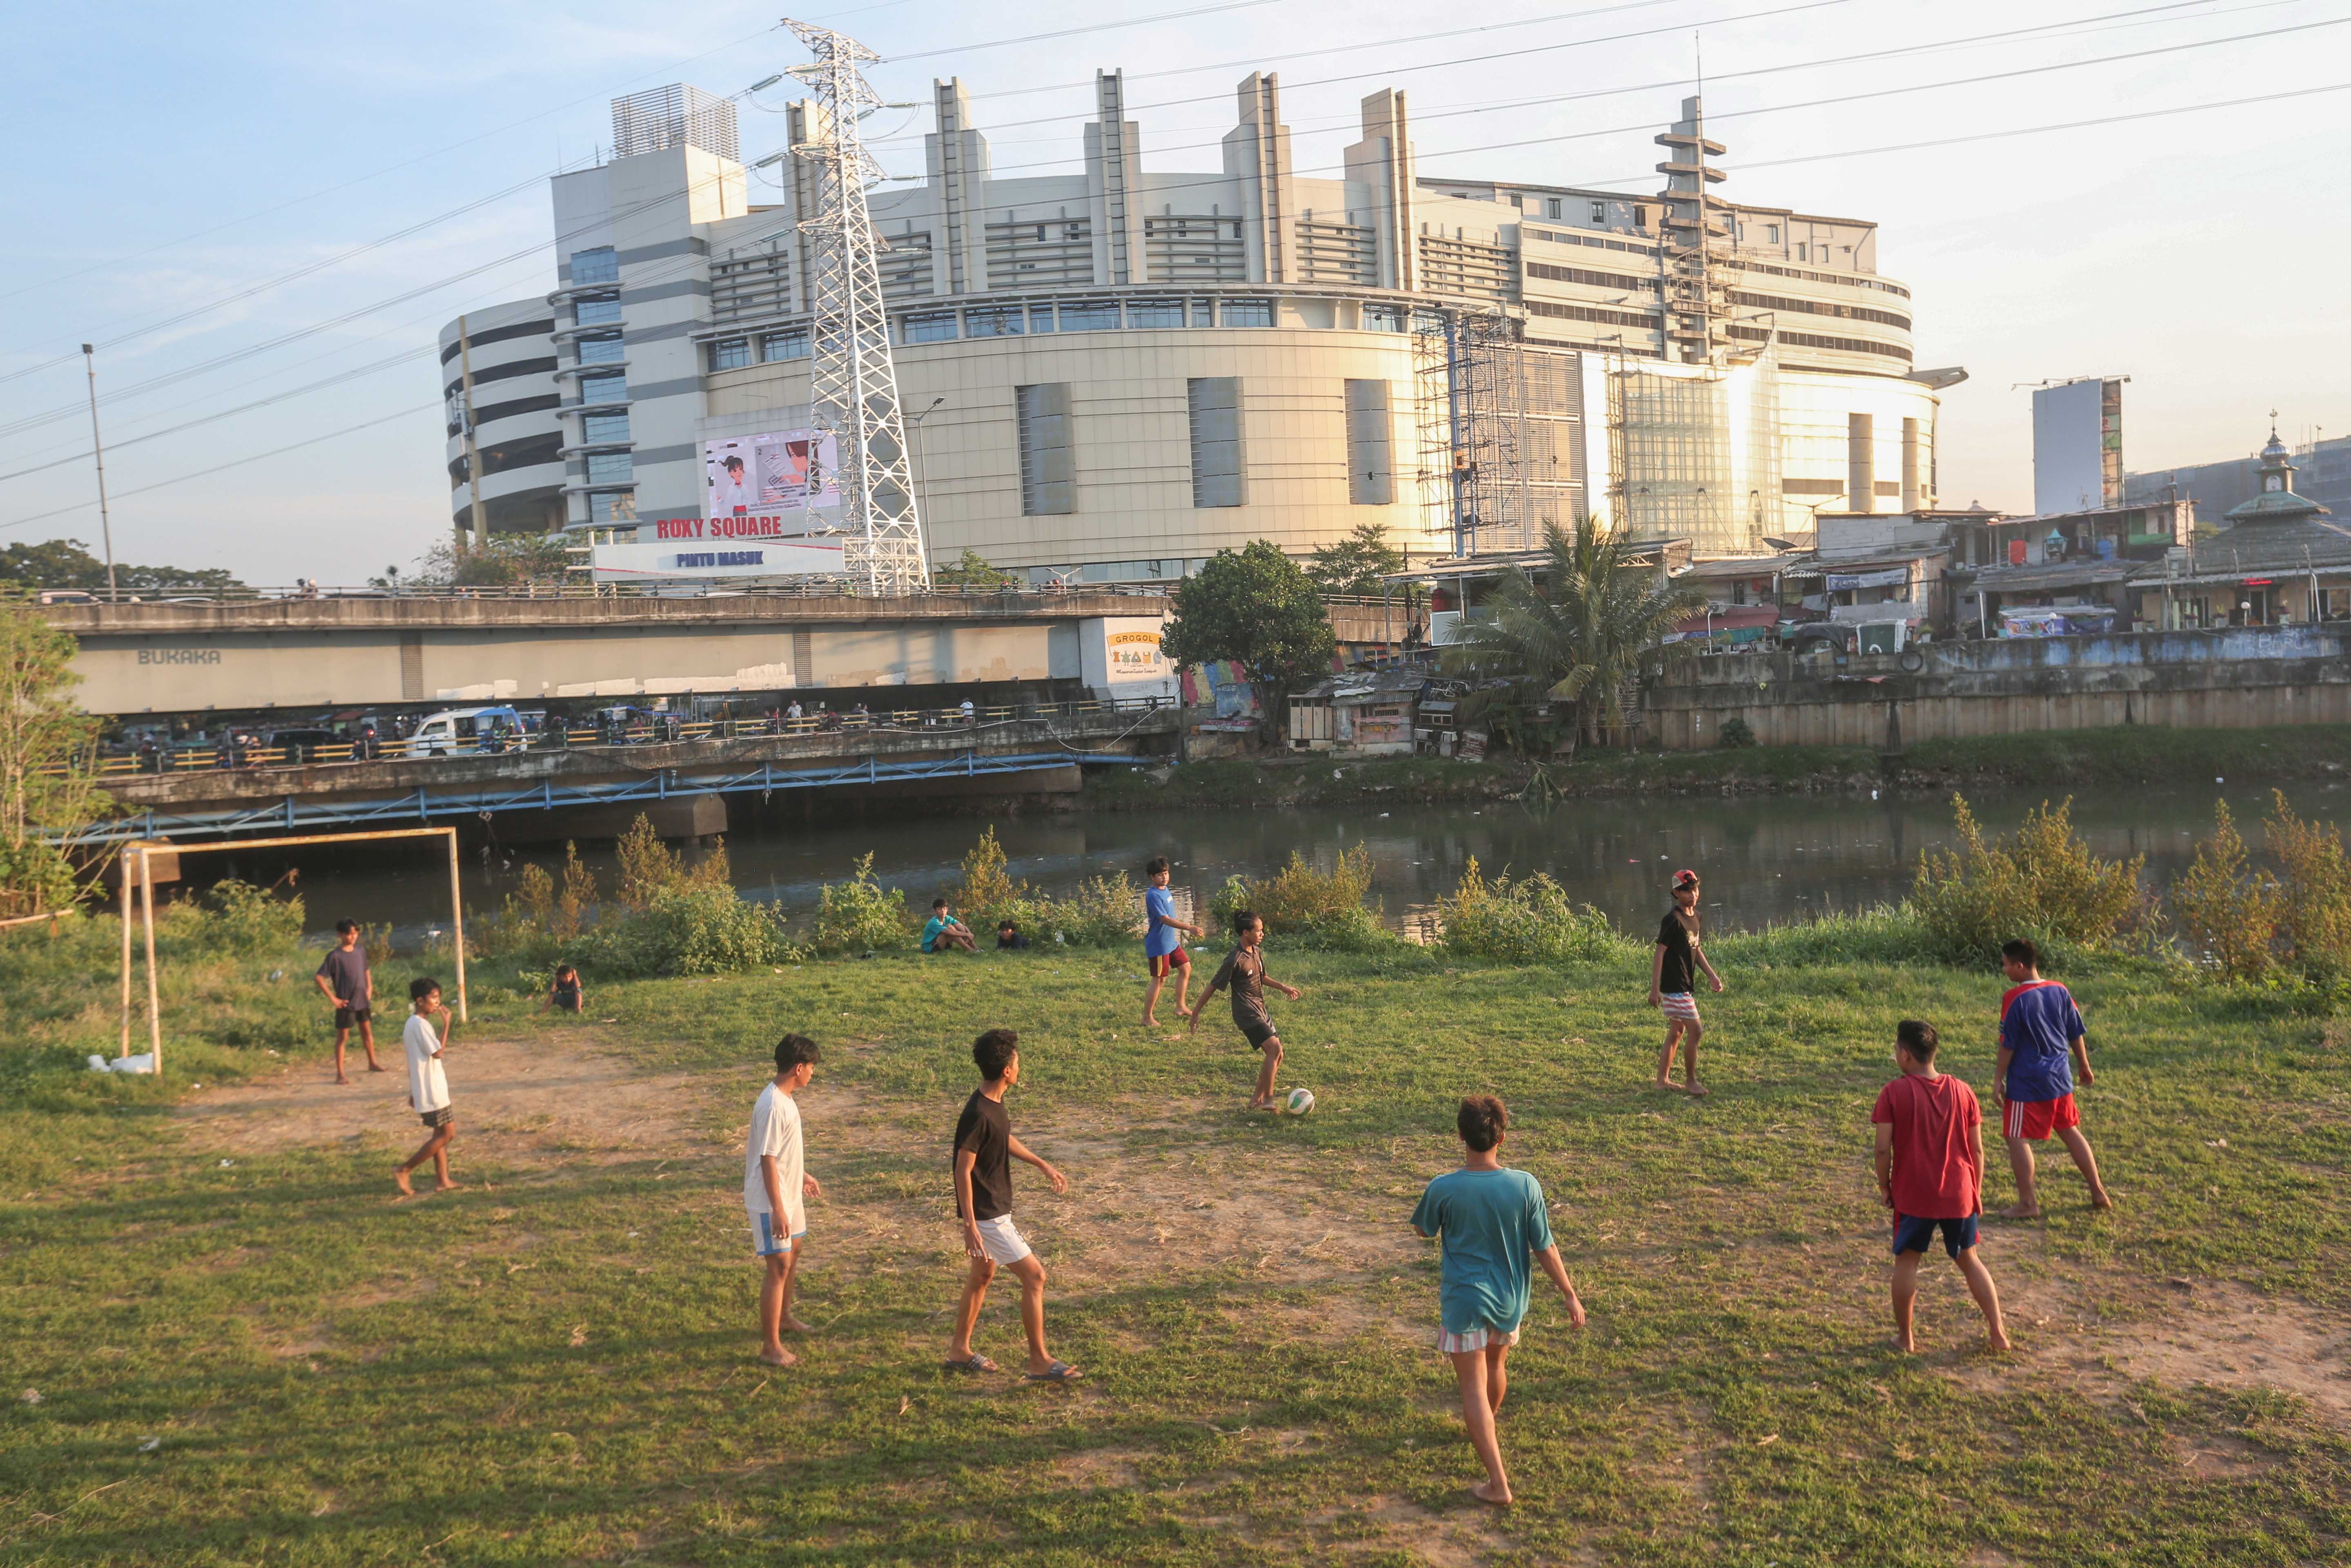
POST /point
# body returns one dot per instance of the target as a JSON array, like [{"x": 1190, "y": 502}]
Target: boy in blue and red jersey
[
  {"x": 1163, "y": 943},
  {"x": 2041, "y": 1040}
]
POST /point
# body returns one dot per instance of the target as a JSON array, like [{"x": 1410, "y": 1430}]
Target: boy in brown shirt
[{"x": 1243, "y": 972}]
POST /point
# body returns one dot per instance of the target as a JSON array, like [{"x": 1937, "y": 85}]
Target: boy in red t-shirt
[{"x": 1930, "y": 1174}]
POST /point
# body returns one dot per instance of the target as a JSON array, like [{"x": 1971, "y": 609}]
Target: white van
[{"x": 457, "y": 730}]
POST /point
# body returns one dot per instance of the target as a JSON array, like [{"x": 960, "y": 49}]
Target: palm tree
[{"x": 1577, "y": 630}]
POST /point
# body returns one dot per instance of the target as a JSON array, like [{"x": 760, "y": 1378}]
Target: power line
[{"x": 1091, "y": 27}]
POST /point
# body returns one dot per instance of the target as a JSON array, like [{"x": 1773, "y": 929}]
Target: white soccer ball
[{"x": 1301, "y": 1100}]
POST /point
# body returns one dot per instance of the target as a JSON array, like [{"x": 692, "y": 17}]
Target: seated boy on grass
[
  {"x": 943, "y": 932},
  {"x": 1930, "y": 1174},
  {"x": 1492, "y": 1221}
]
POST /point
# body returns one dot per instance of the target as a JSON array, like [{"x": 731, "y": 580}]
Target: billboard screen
[
  {"x": 770, "y": 485},
  {"x": 2077, "y": 446}
]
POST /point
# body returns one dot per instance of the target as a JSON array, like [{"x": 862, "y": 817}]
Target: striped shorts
[
  {"x": 1476, "y": 1339},
  {"x": 1680, "y": 1005}
]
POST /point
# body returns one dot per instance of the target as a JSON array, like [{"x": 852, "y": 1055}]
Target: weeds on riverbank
[
  {"x": 1313, "y": 907},
  {"x": 1528, "y": 921},
  {"x": 2041, "y": 883},
  {"x": 667, "y": 916},
  {"x": 1103, "y": 912}
]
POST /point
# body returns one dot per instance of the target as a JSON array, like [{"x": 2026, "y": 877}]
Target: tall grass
[{"x": 1318, "y": 908}]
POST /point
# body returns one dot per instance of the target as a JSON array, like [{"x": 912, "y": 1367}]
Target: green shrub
[
  {"x": 1528, "y": 921},
  {"x": 859, "y": 914},
  {"x": 2313, "y": 881},
  {"x": 685, "y": 931},
  {"x": 1324, "y": 908},
  {"x": 245, "y": 920},
  {"x": 2044, "y": 883},
  {"x": 1736, "y": 734},
  {"x": 1105, "y": 912},
  {"x": 2227, "y": 909}
]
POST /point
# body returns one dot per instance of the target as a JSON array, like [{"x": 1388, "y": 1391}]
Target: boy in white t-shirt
[
  {"x": 428, "y": 1087},
  {"x": 776, "y": 1188}
]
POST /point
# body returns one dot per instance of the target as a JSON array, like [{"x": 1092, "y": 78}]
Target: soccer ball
[{"x": 1301, "y": 1100}]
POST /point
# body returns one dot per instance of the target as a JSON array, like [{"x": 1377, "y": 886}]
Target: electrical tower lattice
[{"x": 853, "y": 383}]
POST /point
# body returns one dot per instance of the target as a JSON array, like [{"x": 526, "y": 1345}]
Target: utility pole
[
  {"x": 481, "y": 529},
  {"x": 97, "y": 450}
]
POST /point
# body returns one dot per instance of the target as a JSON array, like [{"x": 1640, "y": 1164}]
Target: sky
[{"x": 281, "y": 205}]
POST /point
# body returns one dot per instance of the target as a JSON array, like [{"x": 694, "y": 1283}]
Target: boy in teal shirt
[{"x": 1493, "y": 1221}]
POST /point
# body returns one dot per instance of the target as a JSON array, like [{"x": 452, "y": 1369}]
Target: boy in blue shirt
[
  {"x": 1493, "y": 1220},
  {"x": 2041, "y": 1038},
  {"x": 1163, "y": 943},
  {"x": 943, "y": 933}
]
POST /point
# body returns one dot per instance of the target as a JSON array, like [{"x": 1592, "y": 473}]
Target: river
[{"x": 1765, "y": 859}]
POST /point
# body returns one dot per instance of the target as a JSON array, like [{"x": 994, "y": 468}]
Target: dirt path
[{"x": 531, "y": 1099}]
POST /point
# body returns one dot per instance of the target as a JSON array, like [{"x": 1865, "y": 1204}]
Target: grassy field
[{"x": 225, "y": 1345}]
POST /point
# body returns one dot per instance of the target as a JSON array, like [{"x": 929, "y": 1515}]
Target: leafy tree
[
  {"x": 508, "y": 560},
  {"x": 1576, "y": 631},
  {"x": 67, "y": 563},
  {"x": 1255, "y": 606},
  {"x": 41, "y": 730},
  {"x": 972, "y": 571},
  {"x": 1357, "y": 563}
]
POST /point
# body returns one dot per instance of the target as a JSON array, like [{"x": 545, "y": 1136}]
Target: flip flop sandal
[
  {"x": 977, "y": 1363},
  {"x": 1060, "y": 1371}
]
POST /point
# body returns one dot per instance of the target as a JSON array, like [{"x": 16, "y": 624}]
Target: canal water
[{"x": 1764, "y": 859}]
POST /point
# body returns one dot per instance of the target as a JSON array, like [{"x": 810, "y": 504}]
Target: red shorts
[
  {"x": 2037, "y": 1119},
  {"x": 1167, "y": 963}
]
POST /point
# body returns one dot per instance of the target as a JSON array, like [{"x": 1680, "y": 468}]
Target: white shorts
[
  {"x": 1002, "y": 1241},
  {"x": 1476, "y": 1339},
  {"x": 769, "y": 1240},
  {"x": 1680, "y": 1005}
]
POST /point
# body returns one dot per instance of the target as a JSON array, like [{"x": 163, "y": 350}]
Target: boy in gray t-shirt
[{"x": 350, "y": 989}]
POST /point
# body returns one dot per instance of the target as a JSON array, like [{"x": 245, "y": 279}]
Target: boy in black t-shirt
[
  {"x": 1673, "y": 967},
  {"x": 985, "y": 1149}
]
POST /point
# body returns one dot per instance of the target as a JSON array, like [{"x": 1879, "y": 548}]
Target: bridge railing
[
  {"x": 645, "y": 729},
  {"x": 815, "y": 589}
]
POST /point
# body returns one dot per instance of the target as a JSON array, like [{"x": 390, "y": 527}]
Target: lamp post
[{"x": 98, "y": 451}]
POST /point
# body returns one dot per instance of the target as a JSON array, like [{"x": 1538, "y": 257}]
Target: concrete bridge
[
  {"x": 593, "y": 790},
  {"x": 378, "y": 650}
]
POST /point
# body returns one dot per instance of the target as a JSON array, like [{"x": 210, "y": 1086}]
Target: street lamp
[{"x": 914, "y": 429}]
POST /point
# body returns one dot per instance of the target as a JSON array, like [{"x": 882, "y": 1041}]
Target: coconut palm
[{"x": 1576, "y": 630}]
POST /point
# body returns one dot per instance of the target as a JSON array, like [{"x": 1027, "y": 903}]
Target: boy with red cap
[
  {"x": 1673, "y": 969},
  {"x": 2041, "y": 1037}
]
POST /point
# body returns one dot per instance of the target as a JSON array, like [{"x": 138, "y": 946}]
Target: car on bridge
[{"x": 466, "y": 730}]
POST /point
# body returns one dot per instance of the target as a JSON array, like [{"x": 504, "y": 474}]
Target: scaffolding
[
  {"x": 1501, "y": 435},
  {"x": 1695, "y": 454}
]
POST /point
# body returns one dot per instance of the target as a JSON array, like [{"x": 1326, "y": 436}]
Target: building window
[
  {"x": 792, "y": 343},
  {"x": 598, "y": 265},
  {"x": 1383, "y": 318},
  {"x": 599, "y": 428},
  {"x": 611, "y": 468},
  {"x": 1040, "y": 318},
  {"x": 603, "y": 388},
  {"x": 1204, "y": 312},
  {"x": 1005, "y": 321},
  {"x": 936, "y": 328},
  {"x": 612, "y": 506},
  {"x": 1551, "y": 207},
  {"x": 1090, "y": 316},
  {"x": 1219, "y": 477},
  {"x": 1046, "y": 466},
  {"x": 1248, "y": 313},
  {"x": 1154, "y": 312},
  {"x": 603, "y": 350},
  {"x": 1600, "y": 212},
  {"x": 1371, "y": 480},
  {"x": 1801, "y": 255},
  {"x": 594, "y": 312},
  {"x": 1771, "y": 234},
  {"x": 730, "y": 354},
  {"x": 1517, "y": 201}
]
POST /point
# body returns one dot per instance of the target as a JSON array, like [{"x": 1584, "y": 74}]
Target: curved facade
[
  {"x": 1114, "y": 373},
  {"x": 496, "y": 377}
]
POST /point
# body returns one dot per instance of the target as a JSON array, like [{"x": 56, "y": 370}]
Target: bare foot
[
  {"x": 796, "y": 1326},
  {"x": 1697, "y": 1090},
  {"x": 1907, "y": 1343},
  {"x": 1996, "y": 1341},
  {"x": 400, "y": 1180},
  {"x": 1666, "y": 1083},
  {"x": 1488, "y": 1492},
  {"x": 340, "y": 1079},
  {"x": 778, "y": 1356},
  {"x": 446, "y": 1185},
  {"x": 378, "y": 1067},
  {"x": 2020, "y": 1211},
  {"x": 1149, "y": 1022},
  {"x": 2099, "y": 1199}
]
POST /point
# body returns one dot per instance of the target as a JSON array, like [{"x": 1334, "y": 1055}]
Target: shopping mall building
[{"x": 1113, "y": 374}]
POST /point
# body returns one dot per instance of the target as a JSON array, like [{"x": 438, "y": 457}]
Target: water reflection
[{"x": 1763, "y": 859}]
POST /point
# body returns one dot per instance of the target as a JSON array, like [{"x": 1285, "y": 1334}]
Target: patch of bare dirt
[
  {"x": 2227, "y": 1336},
  {"x": 527, "y": 1100}
]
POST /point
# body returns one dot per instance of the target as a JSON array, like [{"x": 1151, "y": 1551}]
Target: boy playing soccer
[
  {"x": 1163, "y": 941},
  {"x": 985, "y": 1149},
  {"x": 1492, "y": 1220},
  {"x": 944, "y": 933},
  {"x": 1673, "y": 969},
  {"x": 1244, "y": 971},
  {"x": 1930, "y": 1174},
  {"x": 2041, "y": 1037},
  {"x": 350, "y": 989},
  {"x": 776, "y": 1190},
  {"x": 428, "y": 1087}
]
